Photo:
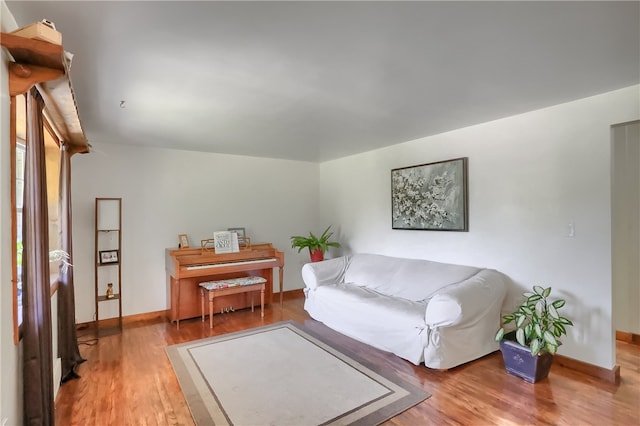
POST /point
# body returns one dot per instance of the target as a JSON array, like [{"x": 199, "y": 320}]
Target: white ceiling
[{"x": 321, "y": 80}]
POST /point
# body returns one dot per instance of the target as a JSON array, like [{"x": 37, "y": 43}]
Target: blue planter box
[{"x": 519, "y": 362}]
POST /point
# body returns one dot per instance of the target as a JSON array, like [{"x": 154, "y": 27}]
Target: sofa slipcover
[{"x": 423, "y": 311}]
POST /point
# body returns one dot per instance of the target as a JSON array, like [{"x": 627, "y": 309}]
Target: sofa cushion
[
  {"x": 411, "y": 279},
  {"x": 388, "y": 323}
]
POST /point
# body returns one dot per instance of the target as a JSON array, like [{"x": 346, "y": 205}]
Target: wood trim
[
  {"x": 46, "y": 65},
  {"x": 22, "y": 77},
  {"x": 164, "y": 315},
  {"x": 611, "y": 376},
  {"x": 54, "y": 287},
  {"x": 290, "y": 294},
  {"x": 130, "y": 319},
  {"x": 34, "y": 52},
  {"x": 625, "y": 336}
]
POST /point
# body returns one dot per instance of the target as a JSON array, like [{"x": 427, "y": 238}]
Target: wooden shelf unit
[
  {"x": 108, "y": 237},
  {"x": 104, "y": 298}
]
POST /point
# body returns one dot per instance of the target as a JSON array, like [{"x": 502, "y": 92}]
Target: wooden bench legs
[{"x": 211, "y": 294}]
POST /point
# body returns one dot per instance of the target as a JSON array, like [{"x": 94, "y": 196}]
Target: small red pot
[{"x": 316, "y": 255}]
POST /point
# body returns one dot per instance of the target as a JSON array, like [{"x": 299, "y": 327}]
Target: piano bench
[{"x": 231, "y": 286}]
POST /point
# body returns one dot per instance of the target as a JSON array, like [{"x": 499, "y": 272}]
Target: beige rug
[{"x": 282, "y": 375}]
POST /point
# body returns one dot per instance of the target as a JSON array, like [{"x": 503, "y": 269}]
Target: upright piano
[{"x": 188, "y": 267}]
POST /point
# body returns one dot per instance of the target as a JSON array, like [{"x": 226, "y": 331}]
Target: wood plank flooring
[{"x": 128, "y": 380}]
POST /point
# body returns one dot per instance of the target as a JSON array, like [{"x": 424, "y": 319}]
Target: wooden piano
[{"x": 188, "y": 267}]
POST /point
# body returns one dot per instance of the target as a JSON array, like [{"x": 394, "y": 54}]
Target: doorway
[{"x": 625, "y": 229}]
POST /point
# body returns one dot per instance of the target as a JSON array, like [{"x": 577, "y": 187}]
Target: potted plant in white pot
[
  {"x": 317, "y": 245},
  {"x": 528, "y": 350}
]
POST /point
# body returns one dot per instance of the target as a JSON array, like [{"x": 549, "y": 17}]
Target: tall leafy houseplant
[
  {"x": 539, "y": 327},
  {"x": 317, "y": 245}
]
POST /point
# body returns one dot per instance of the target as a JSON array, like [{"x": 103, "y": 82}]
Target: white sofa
[{"x": 441, "y": 314}]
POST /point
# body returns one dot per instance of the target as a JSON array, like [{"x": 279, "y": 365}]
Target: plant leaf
[
  {"x": 535, "y": 347},
  {"x": 538, "y": 323},
  {"x": 565, "y": 321},
  {"x": 538, "y": 330},
  {"x": 550, "y": 338},
  {"x": 520, "y": 337},
  {"x": 534, "y": 298},
  {"x": 527, "y": 330},
  {"x": 500, "y": 335}
]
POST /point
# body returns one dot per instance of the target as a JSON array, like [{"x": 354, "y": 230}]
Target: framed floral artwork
[{"x": 430, "y": 197}]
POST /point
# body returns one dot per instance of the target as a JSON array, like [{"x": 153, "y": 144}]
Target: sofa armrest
[
  {"x": 468, "y": 300},
  {"x": 325, "y": 272}
]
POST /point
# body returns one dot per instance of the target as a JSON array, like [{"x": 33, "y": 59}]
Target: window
[
  {"x": 18, "y": 112},
  {"x": 20, "y": 151},
  {"x": 52, "y": 160}
]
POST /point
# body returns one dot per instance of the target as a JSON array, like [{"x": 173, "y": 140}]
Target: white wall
[
  {"x": 169, "y": 192},
  {"x": 529, "y": 177}
]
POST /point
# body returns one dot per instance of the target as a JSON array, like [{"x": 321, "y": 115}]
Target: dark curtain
[
  {"x": 67, "y": 337},
  {"x": 36, "y": 300}
]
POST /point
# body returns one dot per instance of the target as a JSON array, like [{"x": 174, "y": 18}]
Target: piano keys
[
  {"x": 187, "y": 268},
  {"x": 222, "y": 265}
]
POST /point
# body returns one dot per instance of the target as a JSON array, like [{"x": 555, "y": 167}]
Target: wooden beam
[
  {"x": 32, "y": 60},
  {"x": 61, "y": 107},
  {"x": 23, "y": 77},
  {"x": 34, "y": 52}
]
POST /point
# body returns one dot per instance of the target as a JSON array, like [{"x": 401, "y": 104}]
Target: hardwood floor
[{"x": 128, "y": 380}]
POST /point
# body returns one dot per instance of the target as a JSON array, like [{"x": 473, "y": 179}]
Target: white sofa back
[{"x": 411, "y": 279}]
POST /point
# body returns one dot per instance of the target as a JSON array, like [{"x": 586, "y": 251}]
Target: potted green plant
[
  {"x": 317, "y": 245},
  {"x": 528, "y": 350}
]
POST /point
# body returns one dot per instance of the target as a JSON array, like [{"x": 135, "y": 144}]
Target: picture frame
[
  {"x": 240, "y": 231},
  {"x": 109, "y": 256},
  {"x": 183, "y": 241},
  {"x": 431, "y": 197},
  {"x": 243, "y": 240}
]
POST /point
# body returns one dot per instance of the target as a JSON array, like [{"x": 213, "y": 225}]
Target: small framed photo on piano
[
  {"x": 183, "y": 241},
  {"x": 239, "y": 231},
  {"x": 243, "y": 240}
]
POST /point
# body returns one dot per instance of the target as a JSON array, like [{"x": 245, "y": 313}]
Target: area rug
[{"x": 283, "y": 375}]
